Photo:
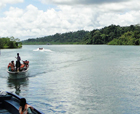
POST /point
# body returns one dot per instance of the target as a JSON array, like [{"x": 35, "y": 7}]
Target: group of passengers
[{"x": 19, "y": 66}]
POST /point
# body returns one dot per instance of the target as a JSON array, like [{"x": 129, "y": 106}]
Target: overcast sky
[{"x": 25, "y": 19}]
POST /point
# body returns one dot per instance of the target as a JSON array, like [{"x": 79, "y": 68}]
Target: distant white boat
[{"x": 42, "y": 49}]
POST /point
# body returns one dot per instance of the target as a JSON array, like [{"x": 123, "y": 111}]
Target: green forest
[
  {"x": 114, "y": 35},
  {"x": 6, "y": 42},
  {"x": 65, "y": 38},
  {"x": 111, "y": 35}
]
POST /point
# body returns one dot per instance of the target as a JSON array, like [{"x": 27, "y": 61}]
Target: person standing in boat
[{"x": 18, "y": 62}]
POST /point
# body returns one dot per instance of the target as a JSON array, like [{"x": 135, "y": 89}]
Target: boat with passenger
[
  {"x": 22, "y": 70},
  {"x": 10, "y": 103}
]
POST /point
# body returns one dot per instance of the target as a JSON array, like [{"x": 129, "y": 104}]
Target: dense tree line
[
  {"x": 65, "y": 38},
  {"x": 112, "y": 35},
  {"x": 115, "y": 35},
  {"x": 128, "y": 38},
  {"x": 11, "y": 42}
]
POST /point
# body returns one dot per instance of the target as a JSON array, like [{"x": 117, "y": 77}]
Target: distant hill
[
  {"x": 112, "y": 35},
  {"x": 65, "y": 38}
]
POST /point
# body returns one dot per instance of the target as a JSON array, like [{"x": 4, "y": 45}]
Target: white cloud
[
  {"x": 4, "y": 2},
  {"x": 84, "y": 2},
  {"x": 32, "y": 22},
  {"x": 11, "y": 1}
]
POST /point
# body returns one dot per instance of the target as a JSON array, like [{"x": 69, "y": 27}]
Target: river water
[{"x": 77, "y": 79}]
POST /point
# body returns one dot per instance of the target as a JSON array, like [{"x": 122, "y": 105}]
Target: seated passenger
[
  {"x": 9, "y": 66},
  {"x": 24, "y": 107},
  {"x": 12, "y": 66},
  {"x": 26, "y": 63}
]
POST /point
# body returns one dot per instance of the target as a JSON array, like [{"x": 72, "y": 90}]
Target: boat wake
[{"x": 42, "y": 49}]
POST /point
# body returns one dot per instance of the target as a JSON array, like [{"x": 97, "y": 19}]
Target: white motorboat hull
[{"x": 18, "y": 74}]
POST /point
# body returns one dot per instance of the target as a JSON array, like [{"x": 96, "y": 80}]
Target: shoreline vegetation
[
  {"x": 10, "y": 43},
  {"x": 110, "y": 35}
]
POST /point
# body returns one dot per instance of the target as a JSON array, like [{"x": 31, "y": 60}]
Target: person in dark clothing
[{"x": 18, "y": 62}]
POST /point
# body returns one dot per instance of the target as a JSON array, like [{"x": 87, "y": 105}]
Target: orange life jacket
[
  {"x": 26, "y": 63},
  {"x": 12, "y": 67},
  {"x": 9, "y": 65},
  {"x": 22, "y": 65}
]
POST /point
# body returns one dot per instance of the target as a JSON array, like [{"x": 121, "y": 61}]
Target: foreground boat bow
[{"x": 10, "y": 103}]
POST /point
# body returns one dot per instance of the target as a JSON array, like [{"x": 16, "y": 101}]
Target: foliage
[
  {"x": 128, "y": 38},
  {"x": 112, "y": 35},
  {"x": 65, "y": 38},
  {"x": 115, "y": 35},
  {"x": 11, "y": 42}
]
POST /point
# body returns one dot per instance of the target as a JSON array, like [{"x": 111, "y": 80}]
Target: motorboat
[
  {"x": 19, "y": 72},
  {"x": 10, "y": 103},
  {"x": 41, "y": 48}
]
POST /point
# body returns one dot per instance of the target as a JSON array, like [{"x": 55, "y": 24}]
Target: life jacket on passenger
[
  {"x": 26, "y": 63},
  {"x": 12, "y": 67},
  {"x": 9, "y": 66},
  {"x": 22, "y": 66}
]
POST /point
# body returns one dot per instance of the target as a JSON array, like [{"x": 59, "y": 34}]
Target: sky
[{"x": 26, "y": 19}]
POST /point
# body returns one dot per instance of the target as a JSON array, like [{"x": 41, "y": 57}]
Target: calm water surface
[{"x": 77, "y": 79}]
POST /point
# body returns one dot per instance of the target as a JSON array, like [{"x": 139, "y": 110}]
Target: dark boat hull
[{"x": 9, "y": 103}]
